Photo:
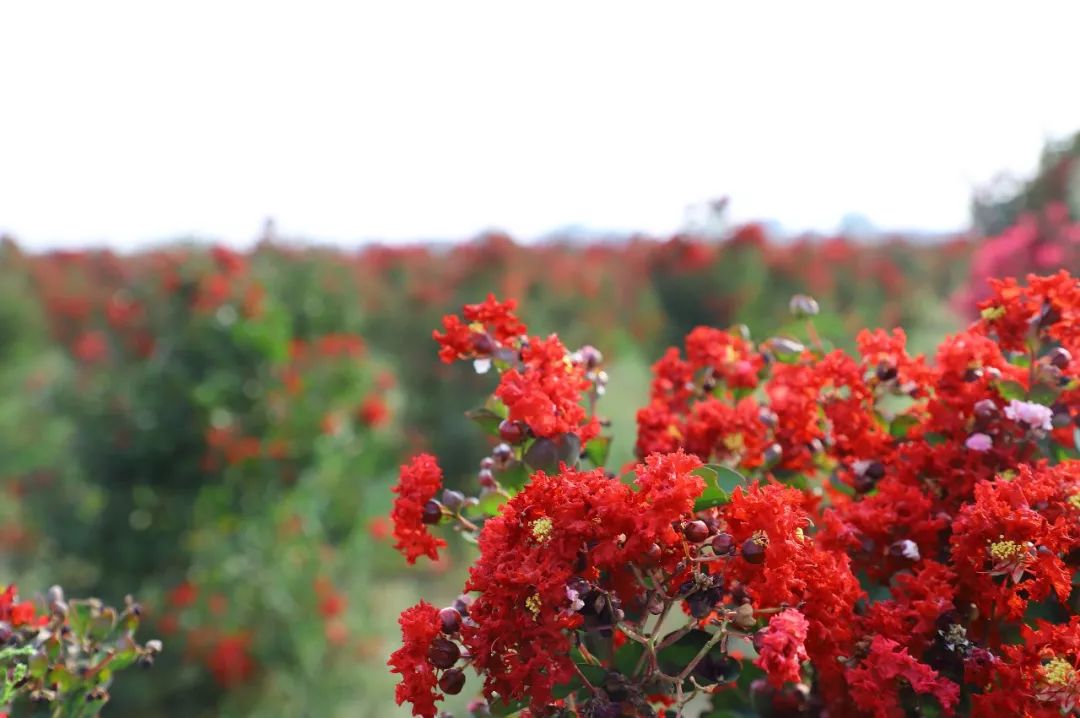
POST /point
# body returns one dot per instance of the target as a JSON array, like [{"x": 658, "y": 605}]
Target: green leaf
[
  {"x": 79, "y": 619},
  {"x": 501, "y": 708},
  {"x": 720, "y": 481},
  {"x": 546, "y": 454},
  {"x": 1043, "y": 394},
  {"x": 901, "y": 425},
  {"x": 1011, "y": 390},
  {"x": 626, "y": 658},
  {"x": 487, "y": 419},
  {"x": 598, "y": 449},
  {"x": 491, "y": 503}
]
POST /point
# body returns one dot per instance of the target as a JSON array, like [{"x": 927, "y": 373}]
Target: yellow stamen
[
  {"x": 734, "y": 442},
  {"x": 1074, "y": 500},
  {"x": 533, "y": 604},
  {"x": 992, "y": 313},
  {"x": 1058, "y": 672},
  {"x": 541, "y": 529},
  {"x": 1006, "y": 550}
]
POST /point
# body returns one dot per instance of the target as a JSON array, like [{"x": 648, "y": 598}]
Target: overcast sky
[{"x": 126, "y": 122}]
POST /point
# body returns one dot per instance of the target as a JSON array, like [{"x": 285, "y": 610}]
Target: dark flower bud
[
  {"x": 905, "y": 548},
  {"x": 985, "y": 409},
  {"x": 723, "y": 544},
  {"x": 885, "y": 372},
  {"x": 453, "y": 500},
  {"x": 451, "y": 620},
  {"x": 696, "y": 531},
  {"x": 443, "y": 653},
  {"x": 487, "y": 479},
  {"x": 452, "y": 681},
  {"x": 512, "y": 432},
  {"x": 461, "y": 605},
  {"x": 803, "y": 306},
  {"x": 432, "y": 512},
  {"x": 773, "y": 453},
  {"x": 502, "y": 453},
  {"x": 1059, "y": 357},
  {"x": 740, "y": 594},
  {"x": 653, "y": 554},
  {"x": 876, "y": 470},
  {"x": 591, "y": 356},
  {"x": 483, "y": 344}
]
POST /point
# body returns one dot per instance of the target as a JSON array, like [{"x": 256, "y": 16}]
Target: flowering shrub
[
  {"x": 807, "y": 531},
  {"x": 229, "y": 450},
  {"x": 65, "y": 658}
]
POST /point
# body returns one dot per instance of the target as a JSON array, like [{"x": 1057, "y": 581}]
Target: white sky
[{"x": 125, "y": 122}]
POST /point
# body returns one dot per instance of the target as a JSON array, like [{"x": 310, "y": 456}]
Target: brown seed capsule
[
  {"x": 744, "y": 616},
  {"x": 753, "y": 551}
]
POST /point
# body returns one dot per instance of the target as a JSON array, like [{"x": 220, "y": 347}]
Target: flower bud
[
  {"x": 453, "y": 500},
  {"x": 696, "y": 531},
  {"x": 452, "y": 681},
  {"x": 486, "y": 478},
  {"x": 985, "y": 409},
  {"x": 483, "y": 344},
  {"x": 443, "y": 653},
  {"x": 803, "y": 306},
  {"x": 432, "y": 512},
  {"x": 1059, "y": 357},
  {"x": 512, "y": 432},
  {"x": 723, "y": 544},
  {"x": 451, "y": 620}
]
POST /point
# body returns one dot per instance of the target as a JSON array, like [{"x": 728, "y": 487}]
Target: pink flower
[
  {"x": 979, "y": 442},
  {"x": 783, "y": 647},
  {"x": 1034, "y": 415}
]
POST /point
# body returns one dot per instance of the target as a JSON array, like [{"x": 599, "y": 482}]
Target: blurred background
[{"x": 229, "y": 229}]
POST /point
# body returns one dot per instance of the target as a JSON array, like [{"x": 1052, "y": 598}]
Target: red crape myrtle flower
[
  {"x": 546, "y": 392},
  {"x": 18, "y": 613},
  {"x": 1007, "y": 551},
  {"x": 419, "y": 481},
  {"x": 531, "y": 557},
  {"x": 230, "y": 660},
  {"x": 783, "y": 647},
  {"x": 485, "y": 328},
  {"x": 875, "y": 683},
  {"x": 1036, "y": 678},
  {"x": 419, "y": 627}
]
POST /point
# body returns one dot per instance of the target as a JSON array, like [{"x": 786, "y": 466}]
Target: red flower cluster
[
  {"x": 783, "y": 649},
  {"x": 419, "y": 481},
  {"x": 900, "y": 524},
  {"x": 542, "y": 385},
  {"x": 18, "y": 613}
]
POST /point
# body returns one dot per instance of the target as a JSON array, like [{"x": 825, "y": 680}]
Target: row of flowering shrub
[
  {"x": 212, "y": 431},
  {"x": 808, "y": 531},
  {"x": 217, "y": 452}
]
